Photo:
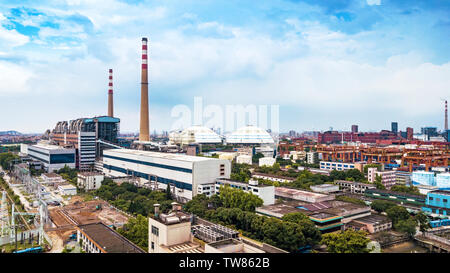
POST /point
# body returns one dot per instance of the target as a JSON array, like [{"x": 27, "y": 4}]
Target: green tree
[
  {"x": 397, "y": 213},
  {"x": 406, "y": 189},
  {"x": 294, "y": 217},
  {"x": 349, "y": 241},
  {"x": 136, "y": 230},
  {"x": 373, "y": 165},
  {"x": 198, "y": 205},
  {"x": 378, "y": 183},
  {"x": 256, "y": 157},
  {"x": 350, "y": 200},
  {"x": 407, "y": 226},
  {"x": 381, "y": 205},
  {"x": 236, "y": 198},
  {"x": 168, "y": 193},
  {"x": 422, "y": 219}
]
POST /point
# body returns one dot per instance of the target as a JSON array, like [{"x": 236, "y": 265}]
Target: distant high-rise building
[
  {"x": 292, "y": 133},
  {"x": 354, "y": 128},
  {"x": 409, "y": 133},
  {"x": 429, "y": 131},
  {"x": 394, "y": 127}
]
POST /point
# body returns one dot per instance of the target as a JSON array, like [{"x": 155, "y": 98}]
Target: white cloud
[
  {"x": 373, "y": 2},
  {"x": 10, "y": 38},
  {"x": 14, "y": 79}
]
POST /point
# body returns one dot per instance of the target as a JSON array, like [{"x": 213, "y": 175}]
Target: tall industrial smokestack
[
  {"x": 110, "y": 95},
  {"x": 144, "y": 133},
  {"x": 446, "y": 117}
]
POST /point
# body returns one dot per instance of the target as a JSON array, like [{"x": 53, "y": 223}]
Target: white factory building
[
  {"x": 183, "y": 172},
  {"x": 51, "y": 156},
  {"x": 194, "y": 134}
]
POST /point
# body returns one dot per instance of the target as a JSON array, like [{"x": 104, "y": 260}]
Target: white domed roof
[
  {"x": 196, "y": 134},
  {"x": 250, "y": 135}
]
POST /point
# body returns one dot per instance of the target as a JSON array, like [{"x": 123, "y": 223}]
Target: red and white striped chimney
[
  {"x": 144, "y": 130},
  {"x": 110, "y": 95}
]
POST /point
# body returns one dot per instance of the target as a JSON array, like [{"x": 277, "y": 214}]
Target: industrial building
[
  {"x": 99, "y": 238},
  {"x": 438, "y": 202},
  {"x": 88, "y": 136},
  {"x": 371, "y": 223},
  {"x": 183, "y": 172},
  {"x": 330, "y": 137},
  {"x": 440, "y": 180},
  {"x": 328, "y": 216},
  {"x": 51, "y": 156}
]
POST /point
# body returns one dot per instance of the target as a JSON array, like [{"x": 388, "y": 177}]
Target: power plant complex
[{"x": 288, "y": 172}]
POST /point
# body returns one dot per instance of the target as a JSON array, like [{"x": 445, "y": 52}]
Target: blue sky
[{"x": 326, "y": 63}]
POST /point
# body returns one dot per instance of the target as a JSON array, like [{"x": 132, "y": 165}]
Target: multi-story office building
[
  {"x": 402, "y": 177},
  {"x": 90, "y": 180},
  {"x": 51, "y": 156},
  {"x": 183, "y": 172},
  {"x": 388, "y": 178}
]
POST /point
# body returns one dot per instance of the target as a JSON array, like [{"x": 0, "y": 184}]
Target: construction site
[{"x": 79, "y": 212}]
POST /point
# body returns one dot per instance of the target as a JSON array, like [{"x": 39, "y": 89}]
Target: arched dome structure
[
  {"x": 250, "y": 135},
  {"x": 195, "y": 134}
]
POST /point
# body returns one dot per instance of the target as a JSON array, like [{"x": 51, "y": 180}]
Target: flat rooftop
[
  {"x": 172, "y": 156},
  {"x": 283, "y": 190},
  {"x": 355, "y": 183},
  {"x": 47, "y": 146},
  {"x": 108, "y": 239},
  {"x": 441, "y": 192},
  {"x": 229, "y": 181},
  {"x": 89, "y": 173},
  {"x": 274, "y": 176},
  {"x": 373, "y": 219}
]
